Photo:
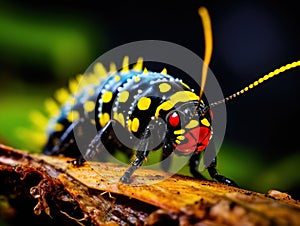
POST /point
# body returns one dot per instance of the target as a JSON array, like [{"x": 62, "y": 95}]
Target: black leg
[
  {"x": 210, "y": 161},
  {"x": 99, "y": 143},
  {"x": 65, "y": 143},
  {"x": 194, "y": 164},
  {"x": 140, "y": 157},
  {"x": 141, "y": 154},
  {"x": 214, "y": 174},
  {"x": 94, "y": 151},
  {"x": 167, "y": 150}
]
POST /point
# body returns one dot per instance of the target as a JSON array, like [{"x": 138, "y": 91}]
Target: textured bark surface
[{"x": 46, "y": 190}]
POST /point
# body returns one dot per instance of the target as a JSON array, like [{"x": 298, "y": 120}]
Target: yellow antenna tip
[{"x": 202, "y": 11}]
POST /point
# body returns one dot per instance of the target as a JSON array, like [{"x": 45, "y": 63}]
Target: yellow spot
[
  {"x": 137, "y": 79},
  {"x": 135, "y": 125},
  {"x": 164, "y": 71},
  {"x": 139, "y": 64},
  {"x": 192, "y": 124},
  {"x": 144, "y": 103},
  {"x": 177, "y": 141},
  {"x": 167, "y": 105},
  {"x": 183, "y": 96},
  {"x": 62, "y": 95},
  {"x": 89, "y": 106},
  {"x": 120, "y": 118},
  {"x": 205, "y": 122},
  {"x": 123, "y": 97},
  {"x": 179, "y": 132},
  {"x": 107, "y": 96},
  {"x": 117, "y": 78},
  {"x": 52, "y": 107},
  {"x": 164, "y": 87},
  {"x": 100, "y": 70},
  {"x": 180, "y": 137},
  {"x": 91, "y": 92},
  {"x": 92, "y": 121},
  {"x": 103, "y": 119},
  {"x": 58, "y": 127},
  {"x": 125, "y": 65},
  {"x": 73, "y": 116}
]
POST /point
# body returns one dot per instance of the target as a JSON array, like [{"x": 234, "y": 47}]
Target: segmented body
[{"x": 134, "y": 99}]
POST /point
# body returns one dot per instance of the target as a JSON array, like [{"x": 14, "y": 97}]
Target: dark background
[{"x": 42, "y": 44}]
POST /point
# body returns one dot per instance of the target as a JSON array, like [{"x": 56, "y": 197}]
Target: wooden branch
[{"x": 43, "y": 190}]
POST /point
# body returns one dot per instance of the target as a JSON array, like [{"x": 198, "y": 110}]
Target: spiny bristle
[
  {"x": 164, "y": 71},
  {"x": 52, "y": 107},
  {"x": 145, "y": 71},
  {"x": 73, "y": 86},
  {"x": 100, "y": 70},
  {"x": 79, "y": 77},
  {"x": 92, "y": 79},
  {"x": 112, "y": 68},
  {"x": 139, "y": 64},
  {"x": 62, "y": 95},
  {"x": 69, "y": 96},
  {"x": 38, "y": 119},
  {"x": 125, "y": 65}
]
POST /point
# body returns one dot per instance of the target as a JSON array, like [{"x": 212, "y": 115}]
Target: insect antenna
[
  {"x": 207, "y": 30},
  {"x": 258, "y": 82}
]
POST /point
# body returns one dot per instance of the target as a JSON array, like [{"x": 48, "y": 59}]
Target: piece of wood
[{"x": 50, "y": 190}]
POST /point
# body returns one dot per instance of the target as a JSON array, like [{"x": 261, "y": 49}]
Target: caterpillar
[{"x": 129, "y": 106}]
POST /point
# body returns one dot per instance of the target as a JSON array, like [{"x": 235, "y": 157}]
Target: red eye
[{"x": 174, "y": 119}]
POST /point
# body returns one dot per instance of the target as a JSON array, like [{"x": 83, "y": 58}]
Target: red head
[{"x": 191, "y": 130}]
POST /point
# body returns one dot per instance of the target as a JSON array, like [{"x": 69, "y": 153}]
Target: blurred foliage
[
  {"x": 41, "y": 41},
  {"x": 41, "y": 50}
]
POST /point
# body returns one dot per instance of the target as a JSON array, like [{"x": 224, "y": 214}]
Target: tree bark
[{"x": 48, "y": 190}]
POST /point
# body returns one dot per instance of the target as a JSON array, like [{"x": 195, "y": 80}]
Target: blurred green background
[{"x": 43, "y": 44}]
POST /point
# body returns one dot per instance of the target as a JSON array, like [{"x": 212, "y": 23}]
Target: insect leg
[
  {"x": 66, "y": 142},
  {"x": 167, "y": 150},
  {"x": 94, "y": 151},
  {"x": 141, "y": 154},
  {"x": 210, "y": 161},
  {"x": 214, "y": 174}
]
